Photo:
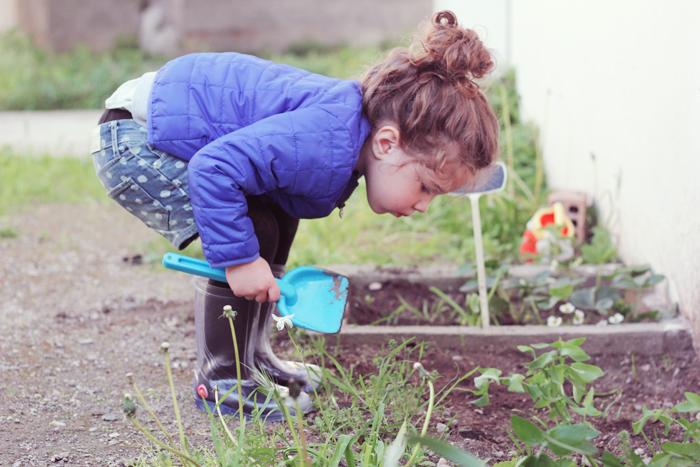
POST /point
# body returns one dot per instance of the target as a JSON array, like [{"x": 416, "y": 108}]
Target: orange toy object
[{"x": 536, "y": 228}]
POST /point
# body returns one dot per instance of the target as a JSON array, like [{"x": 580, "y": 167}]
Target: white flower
[
  {"x": 283, "y": 320},
  {"x": 554, "y": 321},
  {"x": 602, "y": 322},
  {"x": 578, "y": 317},
  {"x": 567, "y": 308},
  {"x": 617, "y": 318}
]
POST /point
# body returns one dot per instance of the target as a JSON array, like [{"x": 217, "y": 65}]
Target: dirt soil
[{"x": 77, "y": 313}]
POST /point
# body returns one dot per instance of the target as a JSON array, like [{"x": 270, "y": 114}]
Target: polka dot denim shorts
[{"x": 147, "y": 182}]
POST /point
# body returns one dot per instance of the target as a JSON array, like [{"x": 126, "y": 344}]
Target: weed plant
[{"x": 361, "y": 420}]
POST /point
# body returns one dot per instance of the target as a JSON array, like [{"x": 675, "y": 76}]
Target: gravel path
[{"x": 74, "y": 319}]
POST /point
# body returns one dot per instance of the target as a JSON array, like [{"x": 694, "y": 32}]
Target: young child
[{"x": 235, "y": 150}]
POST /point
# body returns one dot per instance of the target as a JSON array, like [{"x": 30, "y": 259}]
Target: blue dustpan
[{"x": 316, "y": 297}]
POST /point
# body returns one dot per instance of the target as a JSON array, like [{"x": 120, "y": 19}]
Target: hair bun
[{"x": 453, "y": 53}]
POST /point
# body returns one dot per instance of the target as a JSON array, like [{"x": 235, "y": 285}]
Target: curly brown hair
[{"x": 429, "y": 91}]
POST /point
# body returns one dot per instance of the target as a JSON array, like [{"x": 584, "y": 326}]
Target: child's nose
[{"x": 423, "y": 204}]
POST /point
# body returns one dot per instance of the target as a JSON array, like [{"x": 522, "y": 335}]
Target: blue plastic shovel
[{"x": 313, "y": 298}]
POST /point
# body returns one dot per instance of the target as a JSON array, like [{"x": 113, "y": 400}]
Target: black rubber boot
[
  {"x": 281, "y": 371},
  {"x": 216, "y": 357}
]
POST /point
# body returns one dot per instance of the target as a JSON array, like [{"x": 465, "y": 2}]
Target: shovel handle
[{"x": 199, "y": 267}]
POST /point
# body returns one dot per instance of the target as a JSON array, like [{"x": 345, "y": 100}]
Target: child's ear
[{"x": 385, "y": 139}]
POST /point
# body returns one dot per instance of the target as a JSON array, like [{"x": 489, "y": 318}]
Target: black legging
[{"x": 274, "y": 228}]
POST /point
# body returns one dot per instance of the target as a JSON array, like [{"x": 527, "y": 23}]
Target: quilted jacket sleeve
[{"x": 299, "y": 153}]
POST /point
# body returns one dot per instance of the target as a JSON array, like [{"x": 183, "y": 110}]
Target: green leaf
[
  {"x": 583, "y": 298},
  {"x": 609, "y": 460},
  {"x": 525, "y": 348},
  {"x": 693, "y": 404},
  {"x": 661, "y": 460},
  {"x": 587, "y": 373},
  {"x": 543, "y": 460},
  {"x": 487, "y": 375},
  {"x": 515, "y": 383},
  {"x": 446, "y": 450},
  {"x": 526, "y": 431},
  {"x": 483, "y": 401},
  {"x": 646, "y": 416},
  {"x": 564, "y": 439},
  {"x": 543, "y": 360},
  {"x": 561, "y": 293},
  {"x": 540, "y": 346},
  {"x": 654, "y": 279},
  {"x": 689, "y": 450},
  {"x": 342, "y": 445}
]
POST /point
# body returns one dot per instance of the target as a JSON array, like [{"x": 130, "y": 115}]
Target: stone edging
[{"x": 638, "y": 338}]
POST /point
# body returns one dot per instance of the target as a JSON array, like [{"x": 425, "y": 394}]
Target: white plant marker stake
[
  {"x": 480, "y": 268},
  {"x": 492, "y": 179}
]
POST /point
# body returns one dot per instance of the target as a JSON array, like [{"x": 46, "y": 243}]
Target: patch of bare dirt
[{"x": 77, "y": 313}]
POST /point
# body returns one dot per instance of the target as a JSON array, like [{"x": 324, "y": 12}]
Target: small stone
[
  {"x": 441, "y": 427},
  {"x": 639, "y": 451},
  {"x": 443, "y": 463},
  {"x": 645, "y": 367},
  {"x": 57, "y": 423},
  {"x": 374, "y": 286},
  {"x": 457, "y": 358},
  {"x": 85, "y": 341},
  {"x": 17, "y": 464},
  {"x": 109, "y": 417},
  {"x": 113, "y": 435},
  {"x": 479, "y": 411},
  {"x": 638, "y": 407},
  {"x": 499, "y": 454}
]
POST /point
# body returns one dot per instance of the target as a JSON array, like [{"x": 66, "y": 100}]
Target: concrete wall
[
  {"x": 489, "y": 18},
  {"x": 181, "y": 26},
  {"x": 8, "y": 15},
  {"x": 62, "y": 24},
  {"x": 615, "y": 88},
  {"x": 620, "y": 81}
]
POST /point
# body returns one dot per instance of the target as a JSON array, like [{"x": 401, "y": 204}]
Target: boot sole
[{"x": 272, "y": 416}]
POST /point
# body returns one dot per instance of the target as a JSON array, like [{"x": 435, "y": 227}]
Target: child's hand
[{"x": 254, "y": 281}]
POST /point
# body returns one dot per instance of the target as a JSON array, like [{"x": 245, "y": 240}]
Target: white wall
[
  {"x": 8, "y": 15},
  {"x": 489, "y": 18},
  {"x": 619, "y": 79}
]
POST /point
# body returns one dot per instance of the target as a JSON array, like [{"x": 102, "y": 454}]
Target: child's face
[
  {"x": 397, "y": 183},
  {"x": 394, "y": 187}
]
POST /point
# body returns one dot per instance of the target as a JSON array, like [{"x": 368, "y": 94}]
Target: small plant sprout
[
  {"x": 129, "y": 406},
  {"x": 230, "y": 314},
  {"x": 130, "y": 413},
  {"x": 165, "y": 348},
  {"x": 617, "y": 318},
  {"x": 567, "y": 308},
  {"x": 578, "y": 317},
  {"x": 425, "y": 376},
  {"x": 554, "y": 321},
  {"x": 283, "y": 321}
]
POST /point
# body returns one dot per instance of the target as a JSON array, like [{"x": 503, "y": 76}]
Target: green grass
[{"x": 28, "y": 180}]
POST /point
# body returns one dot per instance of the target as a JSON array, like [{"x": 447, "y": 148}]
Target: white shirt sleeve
[{"x": 133, "y": 96}]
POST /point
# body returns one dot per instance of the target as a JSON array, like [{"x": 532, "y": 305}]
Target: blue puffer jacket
[{"x": 252, "y": 127}]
